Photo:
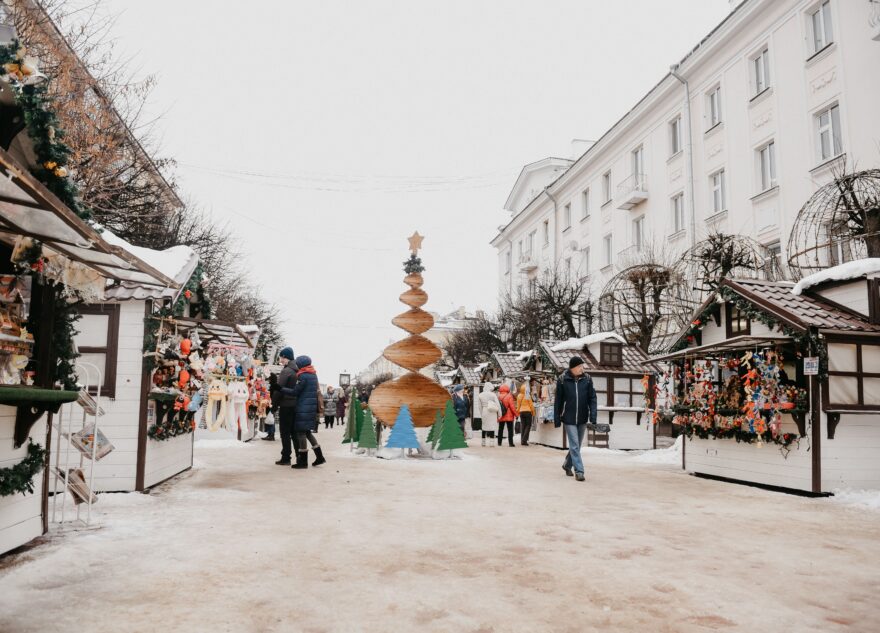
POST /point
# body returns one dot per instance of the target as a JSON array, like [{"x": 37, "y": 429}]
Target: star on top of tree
[{"x": 415, "y": 242}]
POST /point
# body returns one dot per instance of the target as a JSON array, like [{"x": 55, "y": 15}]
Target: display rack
[{"x": 84, "y": 489}]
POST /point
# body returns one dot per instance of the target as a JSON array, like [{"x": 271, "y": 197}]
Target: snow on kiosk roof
[
  {"x": 843, "y": 272},
  {"x": 27, "y": 208},
  {"x": 177, "y": 263}
]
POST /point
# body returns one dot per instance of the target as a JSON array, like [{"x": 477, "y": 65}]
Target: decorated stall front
[
  {"x": 621, "y": 375},
  {"x": 50, "y": 259},
  {"x": 779, "y": 384}
]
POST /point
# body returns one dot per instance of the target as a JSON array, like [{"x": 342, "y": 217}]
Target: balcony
[
  {"x": 527, "y": 263},
  {"x": 632, "y": 191}
]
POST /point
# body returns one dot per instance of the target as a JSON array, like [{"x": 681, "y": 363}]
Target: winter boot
[
  {"x": 484, "y": 441},
  {"x": 302, "y": 460},
  {"x": 319, "y": 454},
  {"x": 283, "y": 462}
]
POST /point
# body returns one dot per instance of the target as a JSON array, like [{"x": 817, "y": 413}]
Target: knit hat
[
  {"x": 303, "y": 361},
  {"x": 575, "y": 361},
  {"x": 457, "y": 388},
  {"x": 287, "y": 353}
]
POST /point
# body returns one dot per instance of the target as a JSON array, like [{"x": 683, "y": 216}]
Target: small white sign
[{"x": 811, "y": 365}]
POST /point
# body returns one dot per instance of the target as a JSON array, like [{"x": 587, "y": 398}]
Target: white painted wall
[
  {"x": 627, "y": 435},
  {"x": 852, "y": 295},
  {"x": 20, "y": 515},
  {"x": 852, "y": 458},
  {"x": 168, "y": 458},
  {"x": 845, "y": 73}
]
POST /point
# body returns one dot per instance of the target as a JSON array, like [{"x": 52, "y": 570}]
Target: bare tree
[{"x": 474, "y": 343}]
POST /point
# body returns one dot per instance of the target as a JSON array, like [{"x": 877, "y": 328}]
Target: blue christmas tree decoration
[{"x": 403, "y": 435}]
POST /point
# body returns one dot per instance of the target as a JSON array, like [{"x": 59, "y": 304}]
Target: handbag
[{"x": 598, "y": 428}]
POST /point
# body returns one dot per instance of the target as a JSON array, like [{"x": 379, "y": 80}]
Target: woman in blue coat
[{"x": 306, "y": 393}]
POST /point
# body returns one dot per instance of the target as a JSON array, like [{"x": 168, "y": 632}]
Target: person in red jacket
[{"x": 506, "y": 420}]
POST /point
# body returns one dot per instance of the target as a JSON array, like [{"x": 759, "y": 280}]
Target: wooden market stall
[
  {"x": 779, "y": 385},
  {"x": 111, "y": 336},
  {"x": 618, "y": 370},
  {"x": 48, "y": 257}
]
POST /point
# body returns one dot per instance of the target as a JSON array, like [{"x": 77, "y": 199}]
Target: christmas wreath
[{"x": 20, "y": 478}]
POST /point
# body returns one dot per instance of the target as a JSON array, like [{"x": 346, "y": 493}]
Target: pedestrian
[
  {"x": 477, "y": 418},
  {"x": 462, "y": 406},
  {"x": 317, "y": 426},
  {"x": 306, "y": 393},
  {"x": 490, "y": 408},
  {"x": 330, "y": 400},
  {"x": 574, "y": 407},
  {"x": 340, "y": 407},
  {"x": 526, "y": 408},
  {"x": 287, "y": 380},
  {"x": 508, "y": 414}
]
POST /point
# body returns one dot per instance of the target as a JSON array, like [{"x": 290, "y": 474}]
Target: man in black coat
[
  {"x": 575, "y": 406},
  {"x": 287, "y": 404}
]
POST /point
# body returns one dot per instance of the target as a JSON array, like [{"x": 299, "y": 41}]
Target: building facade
[{"x": 771, "y": 104}]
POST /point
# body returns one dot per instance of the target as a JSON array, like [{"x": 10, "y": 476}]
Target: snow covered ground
[{"x": 498, "y": 541}]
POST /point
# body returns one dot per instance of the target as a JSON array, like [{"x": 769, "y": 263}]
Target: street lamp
[{"x": 344, "y": 380}]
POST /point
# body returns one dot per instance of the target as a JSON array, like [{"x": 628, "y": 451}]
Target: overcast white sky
[{"x": 326, "y": 132}]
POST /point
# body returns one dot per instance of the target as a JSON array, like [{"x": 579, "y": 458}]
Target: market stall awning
[
  {"x": 177, "y": 263},
  {"x": 27, "y": 208},
  {"x": 211, "y": 331},
  {"x": 744, "y": 342}
]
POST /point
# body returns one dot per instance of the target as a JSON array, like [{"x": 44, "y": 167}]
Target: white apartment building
[{"x": 735, "y": 138}]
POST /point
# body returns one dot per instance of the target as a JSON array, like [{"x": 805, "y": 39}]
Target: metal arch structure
[
  {"x": 641, "y": 303},
  {"x": 839, "y": 223},
  {"x": 721, "y": 255}
]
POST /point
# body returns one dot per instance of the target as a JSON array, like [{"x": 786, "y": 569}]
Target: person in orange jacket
[
  {"x": 526, "y": 409},
  {"x": 508, "y": 406}
]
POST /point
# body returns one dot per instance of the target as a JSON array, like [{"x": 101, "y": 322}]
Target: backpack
[{"x": 503, "y": 408}]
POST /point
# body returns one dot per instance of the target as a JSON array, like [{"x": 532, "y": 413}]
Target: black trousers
[
  {"x": 286, "y": 416},
  {"x": 328, "y": 421},
  {"x": 501, "y": 426},
  {"x": 526, "y": 419},
  {"x": 489, "y": 434},
  {"x": 305, "y": 436}
]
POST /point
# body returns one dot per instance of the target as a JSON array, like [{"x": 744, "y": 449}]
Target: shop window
[
  {"x": 628, "y": 392},
  {"x": 97, "y": 341},
  {"x": 738, "y": 322},
  {"x": 853, "y": 376},
  {"x": 611, "y": 354},
  {"x": 600, "y": 384}
]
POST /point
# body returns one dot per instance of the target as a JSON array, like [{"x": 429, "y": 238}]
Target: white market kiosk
[
  {"x": 29, "y": 210},
  {"x": 834, "y": 425},
  {"x": 617, "y": 370}
]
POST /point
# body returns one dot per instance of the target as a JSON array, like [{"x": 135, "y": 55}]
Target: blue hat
[
  {"x": 287, "y": 353},
  {"x": 303, "y": 361},
  {"x": 457, "y": 388}
]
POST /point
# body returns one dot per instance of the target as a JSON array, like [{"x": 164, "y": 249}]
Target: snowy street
[{"x": 498, "y": 541}]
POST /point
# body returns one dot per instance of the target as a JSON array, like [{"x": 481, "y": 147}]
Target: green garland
[
  {"x": 695, "y": 327},
  {"x": 167, "y": 430},
  {"x": 413, "y": 265},
  {"x": 783, "y": 440},
  {"x": 45, "y": 132},
  {"x": 20, "y": 478}
]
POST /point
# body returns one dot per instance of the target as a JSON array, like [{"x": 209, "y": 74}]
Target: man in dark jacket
[
  {"x": 575, "y": 406},
  {"x": 286, "y": 403},
  {"x": 306, "y": 392},
  {"x": 462, "y": 406}
]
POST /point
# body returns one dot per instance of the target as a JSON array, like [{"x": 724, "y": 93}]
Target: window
[
  {"x": 853, "y": 376},
  {"x": 716, "y": 184},
  {"x": 600, "y": 384},
  {"x": 585, "y": 199},
  {"x": 533, "y": 285},
  {"x": 519, "y": 251},
  {"x": 767, "y": 166},
  {"x": 566, "y": 266},
  {"x": 828, "y": 132},
  {"x": 98, "y": 344},
  {"x": 820, "y": 27},
  {"x": 738, "y": 322},
  {"x": 713, "y": 108},
  {"x": 530, "y": 244},
  {"x": 638, "y": 234},
  {"x": 507, "y": 262},
  {"x": 611, "y": 354},
  {"x": 675, "y": 136},
  {"x": 606, "y": 250},
  {"x": 606, "y": 187},
  {"x": 638, "y": 163},
  {"x": 773, "y": 266},
  {"x": 546, "y": 232},
  {"x": 761, "y": 72},
  {"x": 585, "y": 260},
  {"x": 677, "y": 213},
  {"x": 566, "y": 216},
  {"x": 628, "y": 392}
]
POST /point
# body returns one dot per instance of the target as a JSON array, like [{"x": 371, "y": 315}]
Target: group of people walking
[{"x": 298, "y": 405}]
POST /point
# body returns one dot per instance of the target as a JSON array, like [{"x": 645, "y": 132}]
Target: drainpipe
[
  {"x": 688, "y": 153},
  {"x": 555, "y": 212},
  {"x": 510, "y": 274}
]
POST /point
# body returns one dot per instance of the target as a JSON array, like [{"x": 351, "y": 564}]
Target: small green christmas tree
[
  {"x": 350, "y": 435},
  {"x": 403, "y": 435},
  {"x": 367, "y": 438},
  {"x": 451, "y": 436},
  {"x": 434, "y": 433},
  {"x": 359, "y": 420}
]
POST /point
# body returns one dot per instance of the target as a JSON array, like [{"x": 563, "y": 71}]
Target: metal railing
[{"x": 635, "y": 182}]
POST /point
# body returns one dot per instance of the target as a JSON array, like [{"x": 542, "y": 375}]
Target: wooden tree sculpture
[{"x": 423, "y": 395}]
